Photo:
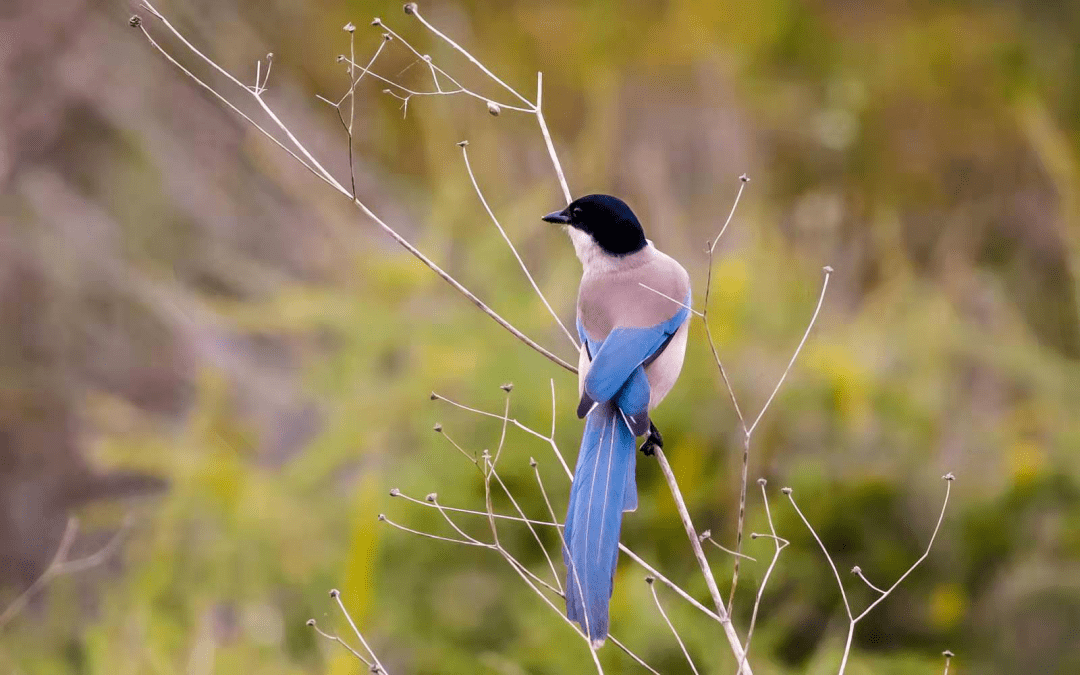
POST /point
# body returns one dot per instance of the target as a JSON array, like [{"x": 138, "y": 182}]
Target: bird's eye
[{"x": 576, "y": 212}]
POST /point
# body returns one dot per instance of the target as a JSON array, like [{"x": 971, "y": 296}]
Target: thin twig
[
  {"x": 500, "y": 516},
  {"x": 313, "y": 165},
  {"x": 836, "y": 574},
  {"x": 743, "y": 180},
  {"x": 416, "y": 12},
  {"x": 710, "y": 251},
  {"x": 941, "y": 517},
  {"x": 741, "y": 520},
  {"x": 562, "y": 462},
  {"x": 680, "y": 304},
  {"x": 502, "y": 433},
  {"x": 750, "y": 431},
  {"x": 521, "y": 263},
  {"x": 707, "y": 536},
  {"x": 571, "y": 568},
  {"x": 336, "y": 595},
  {"x": 652, "y": 587},
  {"x": 781, "y": 544},
  {"x": 471, "y": 458},
  {"x": 518, "y": 567},
  {"x": 352, "y": 99},
  {"x": 806, "y": 334},
  {"x": 550, "y": 440},
  {"x": 547, "y": 138},
  {"x": 433, "y": 499},
  {"x": 852, "y": 618},
  {"x": 637, "y": 659},
  {"x": 948, "y": 659},
  {"x": 335, "y": 638},
  {"x": 528, "y": 524},
  {"x": 60, "y": 565},
  {"x": 857, "y": 571},
  {"x": 438, "y": 92},
  {"x": 466, "y": 542}
]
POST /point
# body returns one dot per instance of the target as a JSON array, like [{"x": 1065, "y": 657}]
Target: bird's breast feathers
[{"x": 630, "y": 292}]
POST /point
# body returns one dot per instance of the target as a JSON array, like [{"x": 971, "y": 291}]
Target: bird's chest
[{"x": 618, "y": 299}]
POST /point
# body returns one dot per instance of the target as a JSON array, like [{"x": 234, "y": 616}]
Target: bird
[{"x": 632, "y": 309}]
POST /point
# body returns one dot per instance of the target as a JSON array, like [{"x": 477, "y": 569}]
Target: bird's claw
[{"x": 653, "y": 442}]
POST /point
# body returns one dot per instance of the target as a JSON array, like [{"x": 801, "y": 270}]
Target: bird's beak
[{"x": 558, "y": 217}]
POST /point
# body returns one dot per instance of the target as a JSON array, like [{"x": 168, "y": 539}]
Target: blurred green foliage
[{"x": 180, "y": 301}]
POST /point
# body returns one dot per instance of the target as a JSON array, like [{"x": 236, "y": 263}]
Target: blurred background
[{"x": 206, "y": 352}]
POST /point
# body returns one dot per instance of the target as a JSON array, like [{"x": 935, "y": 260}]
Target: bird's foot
[{"x": 653, "y": 442}]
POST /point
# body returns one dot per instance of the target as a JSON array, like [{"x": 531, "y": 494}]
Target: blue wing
[{"x": 617, "y": 372}]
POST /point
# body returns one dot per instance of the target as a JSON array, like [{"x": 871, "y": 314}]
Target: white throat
[{"x": 594, "y": 259}]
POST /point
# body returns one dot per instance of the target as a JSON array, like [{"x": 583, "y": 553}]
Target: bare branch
[
  {"x": 740, "y": 522},
  {"x": 622, "y": 547},
  {"x": 550, "y": 440},
  {"x": 313, "y": 165},
  {"x": 416, "y": 12},
  {"x": 680, "y": 304},
  {"x": 521, "y": 263},
  {"x": 547, "y": 138},
  {"x": 335, "y": 638},
  {"x": 941, "y": 517},
  {"x": 471, "y": 458},
  {"x": 806, "y": 334},
  {"x": 435, "y": 505},
  {"x": 519, "y": 568},
  {"x": 466, "y": 542},
  {"x": 438, "y": 92},
  {"x": 707, "y": 536},
  {"x": 433, "y": 499},
  {"x": 853, "y": 619},
  {"x": 843, "y": 594},
  {"x": 652, "y": 587},
  {"x": 532, "y": 530},
  {"x": 703, "y": 562},
  {"x": 336, "y": 595},
  {"x": 60, "y": 566},
  {"x": 743, "y": 180},
  {"x": 637, "y": 659},
  {"x": 857, "y": 571},
  {"x": 781, "y": 544},
  {"x": 502, "y": 434}
]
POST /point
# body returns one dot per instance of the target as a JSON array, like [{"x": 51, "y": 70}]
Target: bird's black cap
[{"x": 610, "y": 222}]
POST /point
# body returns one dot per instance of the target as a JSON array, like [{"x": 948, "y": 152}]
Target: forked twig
[
  {"x": 334, "y": 638},
  {"x": 550, "y": 440},
  {"x": 747, "y": 430},
  {"x": 854, "y": 619},
  {"x": 308, "y": 160},
  {"x": 781, "y": 544},
  {"x": 60, "y": 565}
]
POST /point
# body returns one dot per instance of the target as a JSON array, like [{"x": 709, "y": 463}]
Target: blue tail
[{"x": 604, "y": 486}]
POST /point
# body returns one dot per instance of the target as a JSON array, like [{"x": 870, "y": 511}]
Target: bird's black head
[{"x": 608, "y": 220}]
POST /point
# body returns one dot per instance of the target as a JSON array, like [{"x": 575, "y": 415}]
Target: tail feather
[{"x": 604, "y": 486}]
